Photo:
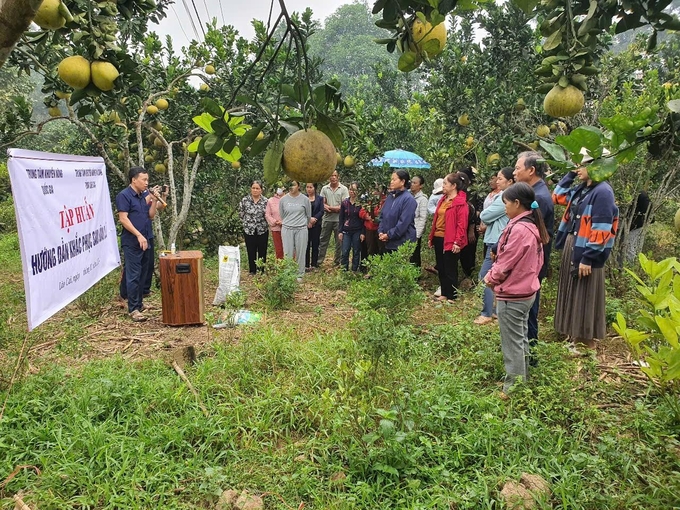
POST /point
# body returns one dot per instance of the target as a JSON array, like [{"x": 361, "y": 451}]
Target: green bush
[
  {"x": 278, "y": 283},
  {"x": 391, "y": 287},
  {"x": 656, "y": 341},
  {"x": 8, "y": 222}
]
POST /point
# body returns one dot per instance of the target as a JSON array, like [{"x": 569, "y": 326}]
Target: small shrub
[
  {"x": 392, "y": 286},
  {"x": 655, "y": 343},
  {"x": 235, "y": 301},
  {"x": 278, "y": 283}
]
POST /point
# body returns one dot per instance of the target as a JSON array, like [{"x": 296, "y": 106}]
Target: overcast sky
[{"x": 238, "y": 13}]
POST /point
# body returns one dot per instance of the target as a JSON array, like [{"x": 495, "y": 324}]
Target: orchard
[{"x": 356, "y": 394}]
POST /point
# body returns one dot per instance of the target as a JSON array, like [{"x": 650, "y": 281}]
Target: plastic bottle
[{"x": 173, "y": 250}]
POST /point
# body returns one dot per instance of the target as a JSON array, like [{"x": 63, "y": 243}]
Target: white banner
[{"x": 66, "y": 229}]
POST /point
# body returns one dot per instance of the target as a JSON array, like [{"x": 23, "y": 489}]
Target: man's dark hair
[
  {"x": 531, "y": 158},
  {"x": 421, "y": 179},
  {"x": 508, "y": 173},
  {"x": 135, "y": 171}
]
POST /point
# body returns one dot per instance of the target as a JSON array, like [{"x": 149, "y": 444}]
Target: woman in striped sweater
[{"x": 586, "y": 235}]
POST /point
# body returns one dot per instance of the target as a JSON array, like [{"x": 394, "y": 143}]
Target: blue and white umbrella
[{"x": 399, "y": 158}]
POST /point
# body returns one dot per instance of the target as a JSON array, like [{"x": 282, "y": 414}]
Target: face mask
[{"x": 279, "y": 191}]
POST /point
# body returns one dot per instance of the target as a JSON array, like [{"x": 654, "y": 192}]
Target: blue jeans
[
  {"x": 487, "y": 300},
  {"x": 136, "y": 271},
  {"x": 351, "y": 241}
]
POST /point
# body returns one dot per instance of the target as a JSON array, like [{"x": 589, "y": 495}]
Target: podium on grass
[{"x": 182, "y": 288}]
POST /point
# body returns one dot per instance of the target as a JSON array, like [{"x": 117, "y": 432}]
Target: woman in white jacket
[
  {"x": 494, "y": 219},
  {"x": 421, "y": 215}
]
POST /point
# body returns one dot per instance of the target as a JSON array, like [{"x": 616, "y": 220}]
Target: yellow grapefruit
[
  {"x": 423, "y": 33},
  {"x": 104, "y": 74},
  {"x": 309, "y": 156},
  {"x": 48, "y": 16},
  {"x": 563, "y": 102},
  {"x": 75, "y": 71}
]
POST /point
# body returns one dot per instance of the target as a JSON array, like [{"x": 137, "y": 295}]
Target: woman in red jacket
[{"x": 448, "y": 235}]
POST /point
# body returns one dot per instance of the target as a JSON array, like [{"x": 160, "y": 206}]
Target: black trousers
[
  {"x": 415, "y": 258},
  {"x": 447, "y": 266},
  {"x": 467, "y": 258},
  {"x": 256, "y": 246},
  {"x": 314, "y": 238}
]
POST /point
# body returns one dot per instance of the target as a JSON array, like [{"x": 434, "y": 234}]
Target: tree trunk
[{"x": 15, "y": 17}]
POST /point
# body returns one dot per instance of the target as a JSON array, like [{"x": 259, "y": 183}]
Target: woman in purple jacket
[
  {"x": 351, "y": 231},
  {"x": 514, "y": 277},
  {"x": 397, "y": 219}
]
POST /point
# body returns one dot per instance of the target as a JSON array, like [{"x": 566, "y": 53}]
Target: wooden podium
[{"x": 182, "y": 288}]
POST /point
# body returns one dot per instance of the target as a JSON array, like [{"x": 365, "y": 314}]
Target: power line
[
  {"x": 198, "y": 17},
  {"x": 207, "y": 13},
  {"x": 180, "y": 23},
  {"x": 191, "y": 19},
  {"x": 221, "y": 11}
]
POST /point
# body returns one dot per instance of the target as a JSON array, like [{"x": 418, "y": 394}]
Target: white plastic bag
[{"x": 230, "y": 273}]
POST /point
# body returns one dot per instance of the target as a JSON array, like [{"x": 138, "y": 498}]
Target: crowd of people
[{"x": 516, "y": 222}]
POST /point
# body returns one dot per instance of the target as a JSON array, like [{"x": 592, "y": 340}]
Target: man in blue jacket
[{"x": 531, "y": 168}]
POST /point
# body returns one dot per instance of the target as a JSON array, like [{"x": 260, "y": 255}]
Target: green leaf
[
  {"x": 250, "y": 136},
  {"x": 289, "y": 126},
  {"x": 431, "y": 47},
  {"x": 408, "y": 61},
  {"x": 330, "y": 128},
  {"x": 591, "y": 9},
  {"x": 583, "y": 136},
  {"x": 259, "y": 145},
  {"x": 554, "y": 150},
  {"x": 232, "y": 156},
  {"x": 77, "y": 95},
  {"x": 553, "y": 41},
  {"x": 219, "y": 127},
  {"x": 272, "y": 162},
  {"x": 211, "y": 143},
  {"x": 602, "y": 169},
  {"x": 673, "y": 105},
  {"x": 626, "y": 155},
  {"x": 229, "y": 144},
  {"x": 193, "y": 146},
  {"x": 212, "y": 107},
  {"x": 669, "y": 330},
  {"x": 527, "y": 6},
  {"x": 203, "y": 121},
  {"x": 378, "y": 6}
]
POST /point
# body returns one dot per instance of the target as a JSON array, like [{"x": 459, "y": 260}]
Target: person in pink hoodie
[
  {"x": 448, "y": 235},
  {"x": 274, "y": 221},
  {"x": 514, "y": 277}
]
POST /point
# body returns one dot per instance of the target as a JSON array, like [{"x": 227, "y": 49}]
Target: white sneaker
[{"x": 438, "y": 292}]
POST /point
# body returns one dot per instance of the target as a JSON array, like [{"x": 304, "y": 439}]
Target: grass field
[{"x": 298, "y": 412}]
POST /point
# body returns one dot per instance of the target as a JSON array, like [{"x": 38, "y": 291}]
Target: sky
[{"x": 238, "y": 13}]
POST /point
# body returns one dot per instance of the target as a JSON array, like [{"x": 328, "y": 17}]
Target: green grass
[
  {"x": 286, "y": 415},
  {"x": 426, "y": 429}
]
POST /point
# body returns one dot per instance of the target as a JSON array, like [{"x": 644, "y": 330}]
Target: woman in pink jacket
[
  {"x": 273, "y": 218},
  {"x": 449, "y": 233},
  {"x": 514, "y": 277}
]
